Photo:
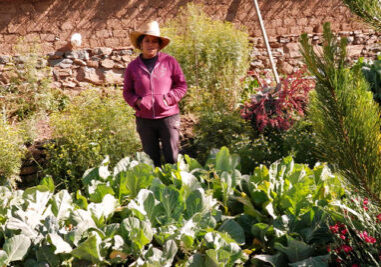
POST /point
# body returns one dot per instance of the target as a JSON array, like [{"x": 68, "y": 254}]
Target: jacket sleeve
[
  {"x": 179, "y": 85},
  {"x": 128, "y": 88}
]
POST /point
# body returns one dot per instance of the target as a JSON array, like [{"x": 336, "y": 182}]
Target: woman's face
[{"x": 150, "y": 46}]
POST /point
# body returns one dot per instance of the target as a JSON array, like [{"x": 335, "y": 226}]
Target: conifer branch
[{"x": 345, "y": 117}]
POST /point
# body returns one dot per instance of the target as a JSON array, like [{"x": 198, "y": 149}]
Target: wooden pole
[{"x": 273, "y": 67}]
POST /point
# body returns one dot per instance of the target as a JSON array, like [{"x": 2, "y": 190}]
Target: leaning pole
[{"x": 273, "y": 67}]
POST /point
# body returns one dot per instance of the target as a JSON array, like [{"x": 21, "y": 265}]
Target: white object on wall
[{"x": 76, "y": 39}]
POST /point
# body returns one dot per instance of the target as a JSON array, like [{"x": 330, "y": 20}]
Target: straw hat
[{"x": 151, "y": 28}]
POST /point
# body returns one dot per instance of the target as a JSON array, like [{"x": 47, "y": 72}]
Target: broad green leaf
[
  {"x": 263, "y": 231},
  {"x": 139, "y": 177},
  {"x": 37, "y": 200},
  {"x": 250, "y": 209},
  {"x": 102, "y": 211},
  {"x": 120, "y": 185},
  {"x": 26, "y": 228},
  {"x": 189, "y": 183},
  {"x": 48, "y": 182},
  {"x": 122, "y": 166},
  {"x": 89, "y": 249},
  {"x": 152, "y": 257},
  {"x": 187, "y": 241},
  {"x": 234, "y": 230},
  {"x": 81, "y": 201},
  {"x": 319, "y": 261},
  {"x": 194, "y": 203},
  {"x": 100, "y": 173},
  {"x": 276, "y": 260},
  {"x": 197, "y": 260},
  {"x": 258, "y": 197},
  {"x": 218, "y": 258},
  {"x": 143, "y": 158},
  {"x": 45, "y": 254},
  {"x": 144, "y": 205},
  {"x": 171, "y": 203},
  {"x": 61, "y": 245},
  {"x": 225, "y": 161},
  {"x": 192, "y": 163},
  {"x": 111, "y": 229},
  {"x": 295, "y": 250},
  {"x": 139, "y": 232},
  {"x": 260, "y": 174},
  {"x": 99, "y": 193},
  {"x": 16, "y": 247},
  {"x": 118, "y": 242},
  {"x": 169, "y": 252},
  {"x": 62, "y": 205},
  {"x": 83, "y": 221}
]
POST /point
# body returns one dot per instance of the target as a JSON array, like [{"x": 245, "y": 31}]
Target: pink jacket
[{"x": 160, "y": 91}]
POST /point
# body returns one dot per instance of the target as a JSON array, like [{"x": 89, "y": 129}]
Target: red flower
[
  {"x": 355, "y": 265},
  {"x": 344, "y": 231},
  {"x": 346, "y": 248},
  {"x": 366, "y": 201},
  {"x": 379, "y": 217},
  {"x": 328, "y": 248},
  {"x": 335, "y": 228},
  {"x": 365, "y": 208},
  {"x": 368, "y": 239},
  {"x": 342, "y": 237}
]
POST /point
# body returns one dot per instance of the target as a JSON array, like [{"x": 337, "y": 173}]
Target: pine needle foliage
[
  {"x": 345, "y": 117},
  {"x": 368, "y": 10}
]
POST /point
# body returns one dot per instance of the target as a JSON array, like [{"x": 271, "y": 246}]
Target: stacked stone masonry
[{"x": 104, "y": 26}]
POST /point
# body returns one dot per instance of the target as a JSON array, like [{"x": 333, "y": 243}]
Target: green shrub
[
  {"x": 216, "y": 129},
  {"x": 372, "y": 73},
  {"x": 271, "y": 145},
  {"x": 213, "y": 55},
  {"x": 11, "y": 154},
  {"x": 89, "y": 128},
  {"x": 28, "y": 90}
]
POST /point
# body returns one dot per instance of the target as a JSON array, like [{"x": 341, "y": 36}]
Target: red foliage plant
[{"x": 278, "y": 107}]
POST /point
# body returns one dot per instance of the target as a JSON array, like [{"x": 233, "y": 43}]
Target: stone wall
[{"x": 104, "y": 26}]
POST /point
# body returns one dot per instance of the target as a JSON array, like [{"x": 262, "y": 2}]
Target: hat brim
[{"x": 135, "y": 35}]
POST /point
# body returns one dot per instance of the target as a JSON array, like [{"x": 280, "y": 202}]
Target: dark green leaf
[{"x": 234, "y": 230}]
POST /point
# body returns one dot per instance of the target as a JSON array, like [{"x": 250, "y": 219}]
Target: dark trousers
[{"x": 166, "y": 131}]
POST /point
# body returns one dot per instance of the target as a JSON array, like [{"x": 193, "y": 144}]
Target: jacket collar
[{"x": 143, "y": 66}]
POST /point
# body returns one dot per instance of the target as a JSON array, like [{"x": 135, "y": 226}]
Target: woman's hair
[{"x": 141, "y": 37}]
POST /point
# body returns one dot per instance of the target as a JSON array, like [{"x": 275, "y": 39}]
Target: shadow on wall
[
  {"x": 107, "y": 23},
  {"x": 55, "y": 20}
]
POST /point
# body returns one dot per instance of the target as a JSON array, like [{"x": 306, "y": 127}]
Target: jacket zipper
[{"x": 150, "y": 81}]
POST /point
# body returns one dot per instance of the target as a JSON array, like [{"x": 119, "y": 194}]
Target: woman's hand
[{"x": 138, "y": 102}]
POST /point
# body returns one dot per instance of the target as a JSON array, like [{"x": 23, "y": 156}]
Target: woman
[{"x": 153, "y": 85}]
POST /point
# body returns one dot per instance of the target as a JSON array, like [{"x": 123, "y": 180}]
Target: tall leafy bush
[
  {"x": 11, "y": 154},
  {"x": 345, "y": 117},
  {"x": 213, "y": 55},
  {"x": 91, "y": 127}
]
